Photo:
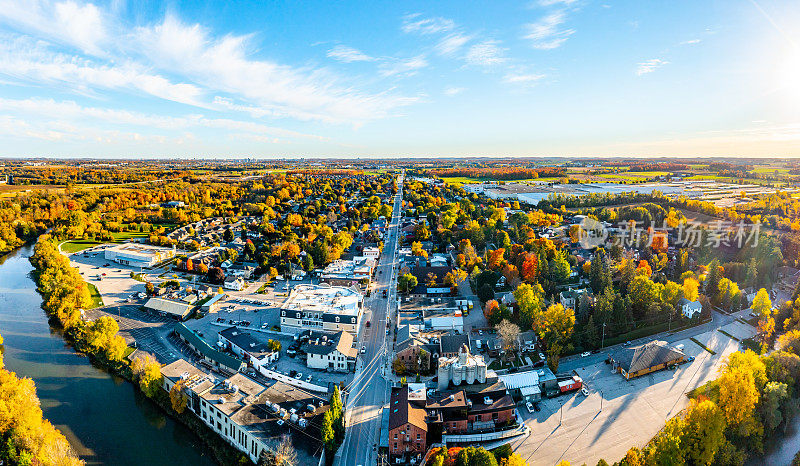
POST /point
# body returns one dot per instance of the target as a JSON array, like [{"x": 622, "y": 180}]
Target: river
[{"x": 105, "y": 419}]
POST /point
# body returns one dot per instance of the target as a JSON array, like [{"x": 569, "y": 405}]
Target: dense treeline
[
  {"x": 62, "y": 175},
  {"x": 499, "y": 172},
  {"x": 26, "y": 438},
  {"x": 65, "y": 295}
]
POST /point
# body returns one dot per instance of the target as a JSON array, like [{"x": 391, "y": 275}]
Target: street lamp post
[{"x": 603, "y": 340}]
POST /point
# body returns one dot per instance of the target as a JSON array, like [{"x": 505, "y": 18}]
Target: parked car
[
  {"x": 308, "y": 379},
  {"x": 363, "y": 349},
  {"x": 529, "y": 405},
  {"x": 541, "y": 356},
  {"x": 299, "y": 376},
  {"x": 585, "y": 353},
  {"x": 585, "y": 391},
  {"x": 690, "y": 359},
  {"x": 368, "y": 324}
]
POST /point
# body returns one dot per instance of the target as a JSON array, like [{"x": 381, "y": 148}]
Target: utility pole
[{"x": 603, "y": 340}]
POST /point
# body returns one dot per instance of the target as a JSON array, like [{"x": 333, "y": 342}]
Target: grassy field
[
  {"x": 11, "y": 190},
  {"x": 97, "y": 301},
  {"x": 78, "y": 245},
  {"x": 117, "y": 237},
  {"x": 729, "y": 179},
  {"x": 782, "y": 171},
  {"x": 632, "y": 176}
]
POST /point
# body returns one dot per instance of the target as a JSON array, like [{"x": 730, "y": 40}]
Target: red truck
[{"x": 569, "y": 385}]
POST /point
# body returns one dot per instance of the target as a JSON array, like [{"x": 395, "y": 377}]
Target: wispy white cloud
[
  {"x": 546, "y": 3},
  {"x": 691, "y": 42},
  {"x": 514, "y": 78},
  {"x": 487, "y": 53},
  {"x": 406, "y": 67},
  {"x": 71, "y": 111},
  {"x": 649, "y": 66},
  {"x": 67, "y": 22},
  {"x": 26, "y": 60},
  {"x": 547, "y": 33},
  {"x": 169, "y": 59},
  {"x": 347, "y": 54},
  {"x": 452, "y": 44},
  {"x": 224, "y": 65},
  {"x": 414, "y": 23},
  {"x": 452, "y": 91}
]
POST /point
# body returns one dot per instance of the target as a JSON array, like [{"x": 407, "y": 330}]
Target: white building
[
  {"x": 138, "y": 255},
  {"x": 330, "y": 351},
  {"x": 254, "y": 352},
  {"x": 322, "y": 307},
  {"x": 234, "y": 283},
  {"x": 372, "y": 252},
  {"x": 690, "y": 308},
  {"x": 454, "y": 321}
]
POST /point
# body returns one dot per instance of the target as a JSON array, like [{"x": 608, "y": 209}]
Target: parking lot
[
  {"x": 574, "y": 428},
  {"x": 116, "y": 284},
  {"x": 150, "y": 332},
  {"x": 261, "y": 319}
]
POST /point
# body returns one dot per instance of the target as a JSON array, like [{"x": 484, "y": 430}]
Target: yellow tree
[
  {"x": 738, "y": 395},
  {"x": 703, "y": 432},
  {"x": 177, "y": 396},
  {"x": 148, "y": 372},
  {"x": 558, "y": 325},
  {"x": 690, "y": 287}
]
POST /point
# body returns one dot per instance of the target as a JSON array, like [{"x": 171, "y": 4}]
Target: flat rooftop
[{"x": 321, "y": 298}]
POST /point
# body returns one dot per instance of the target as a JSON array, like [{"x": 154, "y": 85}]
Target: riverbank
[{"x": 80, "y": 339}]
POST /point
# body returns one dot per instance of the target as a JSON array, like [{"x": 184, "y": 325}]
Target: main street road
[{"x": 369, "y": 391}]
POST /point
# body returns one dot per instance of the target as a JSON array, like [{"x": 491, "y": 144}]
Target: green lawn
[
  {"x": 770, "y": 170},
  {"x": 77, "y": 245},
  {"x": 97, "y": 301}
]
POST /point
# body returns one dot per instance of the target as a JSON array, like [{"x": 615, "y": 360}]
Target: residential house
[
  {"x": 234, "y": 283},
  {"x": 690, "y": 308},
  {"x": 332, "y": 351}
]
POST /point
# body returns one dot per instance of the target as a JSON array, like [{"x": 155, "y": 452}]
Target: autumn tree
[
  {"x": 509, "y": 334},
  {"x": 703, "y": 432},
  {"x": 147, "y": 372},
  {"x": 178, "y": 397},
  {"x": 530, "y": 302},
  {"x": 490, "y": 308},
  {"x": 739, "y": 384},
  {"x": 406, "y": 282},
  {"x": 690, "y": 287},
  {"x": 558, "y": 324}
]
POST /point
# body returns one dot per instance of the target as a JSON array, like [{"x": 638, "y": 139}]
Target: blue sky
[{"x": 269, "y": 79}]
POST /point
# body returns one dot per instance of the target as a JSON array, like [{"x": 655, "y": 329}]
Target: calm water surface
[{"x": 103, "y": 417}]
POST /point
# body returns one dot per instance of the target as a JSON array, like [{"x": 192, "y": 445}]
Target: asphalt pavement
[{"x": 369, "y": 391}]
